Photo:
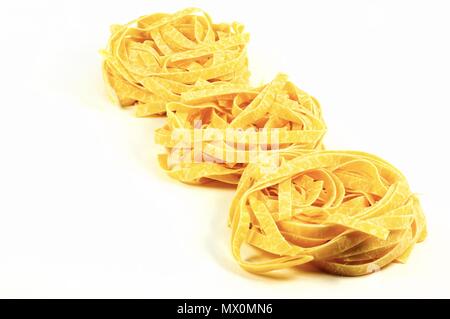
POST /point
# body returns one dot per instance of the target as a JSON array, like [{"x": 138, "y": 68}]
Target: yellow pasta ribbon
[
  {"x": 154, "y": 59},
  {"x": 349, "y": 213},
  {"x": 214, "y": 131}
]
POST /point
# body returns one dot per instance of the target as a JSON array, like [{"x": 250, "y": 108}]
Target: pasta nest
[
  {"x": 215, "y": 131},
  {"x": 154, "y": 59},
  {"x": 349, "y": 213}
]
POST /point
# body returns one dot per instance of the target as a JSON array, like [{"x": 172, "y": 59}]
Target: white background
[{"x": 85, "y": 210}]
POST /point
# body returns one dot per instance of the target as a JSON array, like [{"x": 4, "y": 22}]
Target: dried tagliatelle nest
[
  {"x": 350, "y": 213},
  {"x": 155, "y": 58},
  {"x": 215, "y": 130}
]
